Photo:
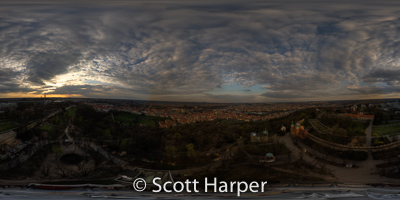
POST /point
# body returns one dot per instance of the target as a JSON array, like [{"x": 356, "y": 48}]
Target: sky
[{"x": 201, "y": 51}]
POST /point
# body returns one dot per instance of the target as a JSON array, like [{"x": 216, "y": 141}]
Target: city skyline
[{"x": 201, "y": 51}]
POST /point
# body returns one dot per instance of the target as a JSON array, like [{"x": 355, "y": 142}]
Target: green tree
[
  {"x": 171, "y": 151},
  {"x": 126, "y": 144},
  {"x": 57, "y": 150},
  {"x": 340, "y": 131},
  {"x": 378, "y": 142},
  {"x": 177, "y": 136},
  {"x": 107, "y": 134},
  {"x": 190, "y": 151}
]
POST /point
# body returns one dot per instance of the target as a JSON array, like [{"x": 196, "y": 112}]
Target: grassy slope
[
  {"x": 7, "y": 126},
  {"x": 386, "y": 130}
]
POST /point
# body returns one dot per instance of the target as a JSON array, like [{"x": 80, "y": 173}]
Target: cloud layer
[{"x": 174, "y": 50}]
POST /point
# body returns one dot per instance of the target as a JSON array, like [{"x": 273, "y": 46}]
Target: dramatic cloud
[
  {"x": 223, "y": 51},
  {"x": 383, "y": 75}
]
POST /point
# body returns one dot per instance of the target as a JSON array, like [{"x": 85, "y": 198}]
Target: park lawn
[
  {"x": 52, "y": 132},
  {"x": 392, "y": 123},
  {"x": 7, "y": 126},
  {"x": 129, "y": 118},
  {"x": 357, "y": 129},
  {"x": 48, "y": 128},
  {"x": 386, "y": 130},
  {"x": 70, "y": 112},
  {"x": 319, "y": 126},
  {"x": 260, "y": 150}
]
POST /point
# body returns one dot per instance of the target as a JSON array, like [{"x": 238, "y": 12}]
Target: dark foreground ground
[{"x": 333, "y": 192}]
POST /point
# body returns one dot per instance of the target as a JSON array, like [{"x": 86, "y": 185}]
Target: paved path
[
  {"x": 67, "y": 129},
  {"x": 117, "y": 161},
  {"x": 296, "y": 152},
  {"x": 365, "y": 173},
  {"x": 368, "y": 131}
]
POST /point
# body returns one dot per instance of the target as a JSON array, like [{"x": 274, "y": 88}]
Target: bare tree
[
  {"x": 97, "y": 160},
  {"x": 289, "y": 156},
  {"x": 84, "y": 168},
  {"x": 395, "y": 139},
  {"x": 45, "y": 170},
  {"x": 301, "y": 153},
  {"x": 57, "y": 150},
  {"x": 111, "y": 158},
  {"x": 62, "y": 169}
]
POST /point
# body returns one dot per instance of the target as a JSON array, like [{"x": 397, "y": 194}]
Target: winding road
[{"x": 365, "y": 173}]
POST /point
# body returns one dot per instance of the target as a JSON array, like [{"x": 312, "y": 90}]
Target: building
[
  {"x": 360, "y": 116},
  {"x": 167, "y": 123},
  {"x": 259, "y": 137},
  {"x": 102, "y": 108},
  {"x": 8, "y": 105},
  {"x": 269, "y": 158},
  {"x": 6, "y": 139},
  {"x": 298, "y": 130},
  {"x": 283, "y": 128}
]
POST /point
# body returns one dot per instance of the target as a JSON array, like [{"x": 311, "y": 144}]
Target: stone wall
[{"x": 342, "y": 147}]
